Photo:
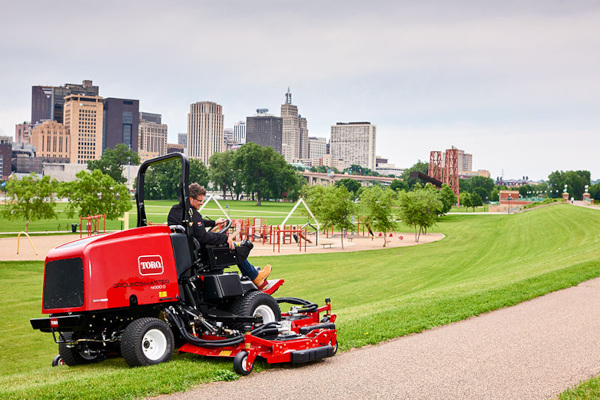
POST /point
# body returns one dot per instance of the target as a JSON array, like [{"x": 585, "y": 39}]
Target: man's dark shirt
[{"x": 198, "y": 227}]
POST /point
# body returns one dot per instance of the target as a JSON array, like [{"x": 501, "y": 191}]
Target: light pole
[{"x": 509, "y": 200}]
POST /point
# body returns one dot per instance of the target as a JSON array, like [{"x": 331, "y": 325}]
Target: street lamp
[{"x": 509, "y": 200}]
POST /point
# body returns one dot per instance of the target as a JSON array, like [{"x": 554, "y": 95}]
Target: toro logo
[{"x": 150, "y": 265}]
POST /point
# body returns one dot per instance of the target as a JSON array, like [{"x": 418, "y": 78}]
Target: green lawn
[
  {"x": 157, "y": 211},
  {"x": 484, "y": 263}
]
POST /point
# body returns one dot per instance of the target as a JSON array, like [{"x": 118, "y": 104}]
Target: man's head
[{"x": 197, "y": 194}]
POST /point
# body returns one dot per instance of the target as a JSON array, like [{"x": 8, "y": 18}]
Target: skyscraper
[
  {"x": 152, "y": 135},
  {"x": 205, "y": 130},
  {"x": 295, "y": 131},
  {"x": 84, "y": 116},
  {"x": 121, "y": 123},
  {"x": 47, "y": 102},
  {"x": 52, "y": 142},
  {"x": 265, "y": 130},
  {"x": 42, "y": 104},
  {"x": 317, "y": 147},
  {"x": 239, "y": 132},
  {"x": 23, "y": 132},
  {"x": 355, "y": 143}
]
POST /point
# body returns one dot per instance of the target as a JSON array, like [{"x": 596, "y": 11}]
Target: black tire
[
  {"x": 240, "y": 364},
  {"x": 147, "y": 341},
  {"x": 57, "y": 361},
  {"x": 335, "y": 349},
  {"x": 76, "y": 355},
  {"x": 253, "y": 304}
]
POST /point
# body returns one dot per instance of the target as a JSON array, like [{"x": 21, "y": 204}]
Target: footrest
[{"x": 304, "y": 356}]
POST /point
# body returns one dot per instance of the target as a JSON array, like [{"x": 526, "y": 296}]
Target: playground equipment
[
  {"x": 92, "y": 224},
  {"x": 30, "y": 242}
]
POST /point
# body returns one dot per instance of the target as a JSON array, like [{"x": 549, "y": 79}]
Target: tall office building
[
  {"x": 42, "y": 104},
  {"x": 84, "y": 116},
  {"x": 47, "y": 102},
  {"x": 151, "y": 117},
  {"x": 182, "y": 139},
  {"x": 5, "y": 160},
  {"x": 52, "y": 142},
  {"x": 152, "y": 136},
  {"x": 23, "y": 132},
  {"x": 121, "y": 123},
  {"x": 239, "y": 132},
  {"x": 265, "y": 130},
  {"x": 355, "y": 143},
  {"x": 317, "y": 147},
  {"x": 465, "y": 161},
  {"x": 295, "y": 131},
  {"x": 205, "y": 130}
]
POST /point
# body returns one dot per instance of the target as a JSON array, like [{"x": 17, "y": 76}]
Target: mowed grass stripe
[{"x": 484, "y": 263}]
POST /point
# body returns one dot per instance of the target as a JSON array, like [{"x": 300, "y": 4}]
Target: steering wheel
[{"x": 224, "y": 229}]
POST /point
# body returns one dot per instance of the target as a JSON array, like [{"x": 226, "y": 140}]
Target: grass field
[
  {"x": 484, "y": 263},
  {"x": 157, "y": 211}
]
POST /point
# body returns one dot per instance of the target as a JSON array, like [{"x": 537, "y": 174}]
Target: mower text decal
[
  {"x": 154, "y": 284},
  {"x": 150, "y": 265}
]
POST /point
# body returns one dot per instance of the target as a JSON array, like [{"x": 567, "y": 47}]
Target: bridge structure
[{"x": 323, "y": 179}]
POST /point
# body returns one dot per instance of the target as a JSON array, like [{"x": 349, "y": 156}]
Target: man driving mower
[{"x": 197, "y": 194}]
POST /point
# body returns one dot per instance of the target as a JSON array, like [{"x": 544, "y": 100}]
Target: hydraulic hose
[
  {"x": 309, "y": 306},
  {"x": 202, "y": 342}
]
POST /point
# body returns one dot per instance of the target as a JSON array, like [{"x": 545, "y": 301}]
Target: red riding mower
[{"x": 144, "y": 291}]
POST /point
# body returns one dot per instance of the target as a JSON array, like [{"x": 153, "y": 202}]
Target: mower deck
[{"x": 299, "y": 337}]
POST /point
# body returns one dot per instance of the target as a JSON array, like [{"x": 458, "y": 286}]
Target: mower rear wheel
[
  {"x": 240, "y": 363},
  {"x": 147, "y": 341},
  {"x": 255, "y": 304},
  {"x": 77, "y": 354}
]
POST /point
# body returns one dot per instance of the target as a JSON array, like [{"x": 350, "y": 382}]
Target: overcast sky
[{"x": 515, "y": 83}]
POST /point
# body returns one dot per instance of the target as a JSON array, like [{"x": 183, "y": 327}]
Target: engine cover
[{"x": 122, "y": 269}]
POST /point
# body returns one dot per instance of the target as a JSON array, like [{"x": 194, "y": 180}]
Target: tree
[
  {"x": 30, "y": 199},
  {"x": 112, "y": 161},
  {"x": 198, "y": 172},
  {"x": 163, "y": 181},
  {"x": 482, "y": 185},
  {"x": 594, "y": 191},
  {"x": 398, "y": 184},
  {"x": 476, "y": 200},
  {"x": 332, "y": 206},
  {"x": 420, "y": 166},
  {"x": 495, "y": 195},
  {"x": 263, "y": 172},
  {"x": 448, "y": 198},
  {"x": 377, "y": 209},
  {"x": 419, "y": 209},
  {"x": 465, "y": 200},
  {"x": 575, "y": 181},
  {"x": 95, "y": 193},
  {"x": 352, "y": 185}
]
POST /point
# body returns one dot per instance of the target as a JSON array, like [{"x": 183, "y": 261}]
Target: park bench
[{"x": 328, "y": 244}]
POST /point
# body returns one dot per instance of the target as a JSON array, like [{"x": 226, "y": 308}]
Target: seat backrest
[{"x": 181, "y": 252}]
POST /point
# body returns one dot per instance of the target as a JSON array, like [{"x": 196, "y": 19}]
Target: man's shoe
[{"x": 263, "y": 274}]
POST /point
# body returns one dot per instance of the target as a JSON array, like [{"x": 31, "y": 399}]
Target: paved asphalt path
[{"x": 534, "y": 350}]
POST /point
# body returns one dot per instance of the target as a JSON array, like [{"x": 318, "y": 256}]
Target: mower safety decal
[{"x": 150, "y": 265}]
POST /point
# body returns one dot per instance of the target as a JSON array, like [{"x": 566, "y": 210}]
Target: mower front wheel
[
  {"x": 241, "y": 365},
  {"x": 147, "y": 341}
]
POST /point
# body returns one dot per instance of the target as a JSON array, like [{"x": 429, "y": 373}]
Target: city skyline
[{"x": 515, "y": 84}]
